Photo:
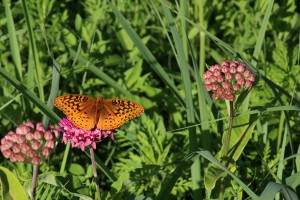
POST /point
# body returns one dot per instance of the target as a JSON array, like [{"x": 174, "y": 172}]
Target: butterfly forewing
[
  {"x": 80, "y": 109},
  {"x": 116, "y": 112}
]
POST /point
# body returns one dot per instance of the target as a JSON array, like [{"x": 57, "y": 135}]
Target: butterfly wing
[
  {"x": 115, "y": 112},
  {"x": 80, "y": 109}
]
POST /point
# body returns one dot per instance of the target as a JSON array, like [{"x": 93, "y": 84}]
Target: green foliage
[{"x": 155, "y": 53}]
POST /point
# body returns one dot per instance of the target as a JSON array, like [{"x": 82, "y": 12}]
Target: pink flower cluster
[
  {"x": 228, "y": 79},
  {"x": 29, "y": 143},
  {"x": 82, "y": 138}
]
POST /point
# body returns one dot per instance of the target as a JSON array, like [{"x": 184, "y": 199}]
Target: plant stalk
[
  {"x": 95, "y": 172},
  {"x": 34, "y": 181}
]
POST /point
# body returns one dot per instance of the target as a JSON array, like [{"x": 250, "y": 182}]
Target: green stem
[
  {"x": 230, "y": 122},
  {"x": 34, "y": 181},
  {"x": 65, "y": 158},
  {"x": 95, "y": 172}
]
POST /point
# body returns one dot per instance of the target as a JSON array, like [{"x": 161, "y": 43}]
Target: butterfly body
[{"x": 106, "y": 114}]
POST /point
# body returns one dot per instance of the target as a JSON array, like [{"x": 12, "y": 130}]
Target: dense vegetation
[{"x": 155, "y": 53}]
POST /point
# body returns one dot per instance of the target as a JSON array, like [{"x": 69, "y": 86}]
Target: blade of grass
[
  {"x": 272, "y": 189},
  {"x": 184, "y": 69},
  {"x": 13, "y": 42},
  {"x": 261, "y": 34},
  {"x": 29, "y": 95},
  {"x": 38, "y": 70},
  {"x": 147, "y": 55},
  {"x": 102, "y": 75},
  {"x": 54, "y": 89}
]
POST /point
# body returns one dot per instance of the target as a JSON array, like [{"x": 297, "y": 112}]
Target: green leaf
[
  {"x": 293, "y": 180},
  {"x": 67, "y": 182},
  {"x": 242, "y": 130},
  {"x": 11, "y": 188},
  {"x": 273, "y": 188}
]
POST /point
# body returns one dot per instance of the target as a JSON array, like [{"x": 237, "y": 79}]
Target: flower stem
[
  {"x": 95, "y": 172},
  {"x": 34, "y": 181},
  {"x": 230, "y": 122}
]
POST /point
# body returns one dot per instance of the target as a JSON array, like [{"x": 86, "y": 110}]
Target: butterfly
[{"x": 106, "y": 114}]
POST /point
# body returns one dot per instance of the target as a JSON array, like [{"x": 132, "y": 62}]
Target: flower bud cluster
[
  {"x": 227, "y": 80},
  {"x": 29, "y": 143}
]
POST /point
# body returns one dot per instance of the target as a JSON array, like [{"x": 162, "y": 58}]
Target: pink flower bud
[
  {"x": 224, "y": 68},
  {"x": 220, "y": 78},
  {"x": 36, "y": 160},
  {"x": 232, "y": 69},
  {"x": 228, "y": 91},
  {"x": 207, "y": 74},
  {"x": 14, "y": 137},
  {"x": 241, "y": 68},
  {"x": 217, "y": 72},
  {"x": 6, "y": 153},
  {"x": 248, "y": 84},
  {"x": 226, "y": 84},
  {"x": 22, "y": 129},
  {"x": 24, "y": 147},
  {"x": 35, "y": 145},
  {"x": 6, "y": 144},
  {"x": 48, "y": 135},
  {"x": 37, "y": 135},
  {"x": 30, "y": 153},
  {"x": 20, "y": 139},
  {"x": 30, "y": 124},
  {"x": 40, "y": 127},
  {"x": 213, "y": 79},
  {"x": 228, "y": 76},
  {"x": 21, "y": 157},
  {"x": 225, "y": 63},
  {"x": 29, "y": 136},
  {"x": 247, "y": 73},
  {"x": 215, "y": 95},
  {"x": 235, "y": 63},
  {"x": 215, "y": 86},
  {"x": 207, "y": 81},
  {"x": 50, "y": 144},
  {"x": 16, "y": 148},
  {"x": 215, "y": 67},
  {"x": 238, "y": 76},
  {"x": 13, "y": 157},
  {"x": 231, "y": 97},
  {"x": 220, "y": 90},
  {"x": 251, "y": 78},
  {"x": 223, "y": 96},
  {"x": 56, "y": 132},
  {"x": 46, "y": 151},
  {"x": 241, "y": 81},
  {"x": 208, "y": 87},
  {"x": 236, "y": 87}
]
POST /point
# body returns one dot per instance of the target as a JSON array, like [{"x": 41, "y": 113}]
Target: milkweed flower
[
  {"x": 227, "y": 80},
  {"x": 80, "y": 137},
  {"x": 29, "y": 143}
]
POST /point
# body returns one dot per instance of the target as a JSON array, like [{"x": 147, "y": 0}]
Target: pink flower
[
  {"x": 28, "y": 142},
  {"x": 227, "y": 80},
  {"x": 82, "y": 138}
]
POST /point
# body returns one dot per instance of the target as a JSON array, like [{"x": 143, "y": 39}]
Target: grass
[{"x": 155, "y": 53}]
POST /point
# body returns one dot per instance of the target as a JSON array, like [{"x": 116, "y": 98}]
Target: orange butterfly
[{"x": 86, "y": 112}]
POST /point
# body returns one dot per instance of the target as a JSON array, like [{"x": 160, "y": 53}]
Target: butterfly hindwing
[{"x": 116, "y": 112}]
